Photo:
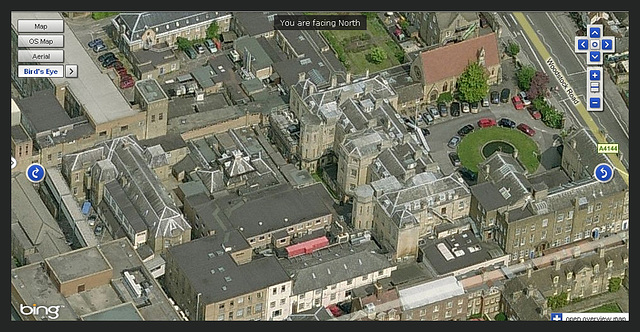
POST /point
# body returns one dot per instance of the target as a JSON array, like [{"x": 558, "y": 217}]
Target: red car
[
  {"x": 526, "y": 129},
  {"x": 534, "y": 113},
  {"x": 126, "y": 83},
  {"x": 517, "y": 102},
  {"x": 121, "y": 71},
  {"x": 486, "y": 122}
]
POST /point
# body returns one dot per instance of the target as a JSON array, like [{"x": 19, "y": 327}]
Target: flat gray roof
[
  {"x": 44, "y": 112},
  {"x": 78, "y": 263},
  {"x": 211, "y": 271},
  {"x": 151, "y": 90},
  {"x": 102, "y": 100},
  {"x": 125, "y": 311}
]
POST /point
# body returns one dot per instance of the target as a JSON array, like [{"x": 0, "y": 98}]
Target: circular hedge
[{"x": 470, "y": 148}]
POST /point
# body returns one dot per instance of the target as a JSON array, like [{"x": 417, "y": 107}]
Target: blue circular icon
[
  {"x": 603, "y": 172},
  {"x": 35, "y": 173}
]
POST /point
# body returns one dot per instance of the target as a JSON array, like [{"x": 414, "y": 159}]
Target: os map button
[
  {"x": 603, "y": 172},
  {"x": 35, "y": 173}
]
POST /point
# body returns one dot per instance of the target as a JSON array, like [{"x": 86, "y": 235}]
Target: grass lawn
[
  {"x": 356, "y": 61},
  {"x": 470, "y": 148},
  {"x": 609, "y": 307}
]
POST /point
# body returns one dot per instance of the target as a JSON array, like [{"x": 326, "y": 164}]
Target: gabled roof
[
  {"x": 445, "y": 19},
  {"x": 451, "y": 60},
  {"x": 164, "y": 21}
]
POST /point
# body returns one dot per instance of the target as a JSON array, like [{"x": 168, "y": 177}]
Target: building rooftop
[
  {"x": 259, "y": 57},
  {"x": 430, "y": 292},
  {"x": 255, "y": 22},
  {"x": 163, "y": 21},
  {"x": 451, "y": 60},
  {"x": 95, "y": 90},
  {"x": 44, "y": 112},
  {"x": 31, "y": 218},
  {"x": 150, "y": 90},
  {"x": 213, "y": 272},
  {"x": 125, "y": 311},
  {"x": 275, "y": 208},
  {"x": 334, "y": 264},
  {"x": 169, "y": 142},
  {"x": 160, "y": 54},
  {"x": 458, "y": 251},
  {"x": 78, "y": 263}
]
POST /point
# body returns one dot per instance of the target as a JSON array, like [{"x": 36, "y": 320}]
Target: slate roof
[
  {"x": 451, "y": 60},
  {"x": 164, "y": 21}
]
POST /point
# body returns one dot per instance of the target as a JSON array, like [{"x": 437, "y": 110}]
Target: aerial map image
[{"x": 319, "y": 166}]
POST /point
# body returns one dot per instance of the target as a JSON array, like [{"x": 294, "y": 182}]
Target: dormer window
[
  {"x": 555, "y": 279},
  {"x": 569, "y": 275},
  {"x": 596, "y": 268}
]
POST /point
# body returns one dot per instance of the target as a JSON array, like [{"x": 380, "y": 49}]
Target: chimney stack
[
  {"x": 334, "y": 80},
  {"x": 348, "y": 79},
  {"x": 378, "y": 289},
  {"x": 301, "y": 76},
  {"x": 557, "y": 264}
]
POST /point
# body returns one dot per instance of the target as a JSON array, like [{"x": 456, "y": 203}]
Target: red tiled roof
[{"x": 451, "y": 60}]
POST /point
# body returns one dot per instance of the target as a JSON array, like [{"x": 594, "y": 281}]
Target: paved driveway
[{"x": 444, "y": 128}]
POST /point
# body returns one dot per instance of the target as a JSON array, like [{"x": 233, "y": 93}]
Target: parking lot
[{"x": 443, "y": 129}]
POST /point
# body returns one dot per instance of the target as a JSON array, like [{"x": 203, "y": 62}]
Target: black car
[
  {"x": 455, "y": 159},
  {"x": 507, "y": 123},
  {"x": 109, "y": 62},
  {"x": 191, "y": 53},
  {"x": 455, "y": 108},
  {"x": 425, "y": 131},
  {"x": 465, "y": 130},
  {"x": 442, "y": 108},
  {"x": 467, "y": 174},
  {"x": 495, "y": 97},
  {"x": 105, "y": 56},
  {"x": 505, "y": 94}
]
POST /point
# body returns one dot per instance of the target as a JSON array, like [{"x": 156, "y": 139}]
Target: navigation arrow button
[{"x": 71, "y": 71}]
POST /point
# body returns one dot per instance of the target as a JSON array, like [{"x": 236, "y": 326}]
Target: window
[
  {"x": 49, "y": 157},
  {"x": 221, "y": 316},
  {"x": 103, "y": 133},
  {"x": 596, "y": 268},
  {"x": 160, "y": 116},
  {"x": 570, "y": 215},
  {"x": 569, "y": 275},
  {"x": 588, "y": 220},
  {"x": 596, "y": 219},
  {"x": 283, "y": 301},
  {"x": 590, "y": 209},
  {"x": 240, "y": 312},
  {"x": 545, "y": 222},
  {"x": 258, "y": 308},
  {"x": 449, "y": 304},
  {"x": 533, "y": 228},
  {"x": 460, "y": 301},
  {"x": 543, "y": 235},
  {"x": 259, "y": 295},
  {"x": 435, "y": 308},
  {"x": 558, "y": 230},
  {"x": 350, "y": 281},
  {"x": 354, "y": 172},
  {"x": 272, "y": 304},
  {"x": 364, "y": 278},
  {"x": 560, "y": 217},
  {"x": 598, "y": 206},
  {"x": 124, "y": 128},
  {"x": 276, "y": 313},
  {"x": 447, "y": 314},
  {"x": 532, "y": 238},
  {"x": 333, "y": 296},
  {"x": 555, "y": 279},
  {"x": 153, "y": 118}
]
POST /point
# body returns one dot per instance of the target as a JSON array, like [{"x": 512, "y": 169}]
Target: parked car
[
  {"x": 103, "y": 56},
  {"x": 507, "y": 123},
  {"x": 190, "y": 53},
  {"x": 475, "y": 107},
  {"x": 92, "y": 219},
  {"x": 427, "y": 118},
  {"x": 95, "y": 42},
  {"x": 118, "y": 66},
  {"x": 534, "y": 113},
  {"x": 121, "y": 71},
  {"x": 465, "y": 130},
  {"x": 495, "y": 97},
  {"x": 455, "y": 158},
  {"x": 465, "y": 107},
  {"x": 126, "y": 83},
  {"x": 454, "y": 141},
  {"x": 199, "y": 48},
  {"x": 211, "y": 46},
  {"x": 111, "y": 62},
  {"x": 517, "y": 102},
  {"x": 486, "y": 122},
  {"x": 442, "y": 108},
  {"x": 425, "y": 131},
  {"x": 467, "y": 174},
  {"x": 434, "y": 112},
  {"x": 98, "y": 230},
  {"x": 523, "y": 97},
  {"x": 99, "y": 48},
  {"x": 455, "y": 108},
  {"x": 523, "y": 127},
  {"x": 485, "y": 102},
  {"x": 504, "y": 95}
]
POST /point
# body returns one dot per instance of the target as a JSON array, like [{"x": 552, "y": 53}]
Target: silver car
[
  {"x": 454, "y": 141},
  {"x": 434, "y": 112}
]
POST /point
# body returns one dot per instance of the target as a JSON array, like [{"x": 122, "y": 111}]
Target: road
[{"x": 550, "y": 35}]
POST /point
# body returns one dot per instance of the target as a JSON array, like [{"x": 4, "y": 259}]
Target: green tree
[
  {"x": 557, "y": 301},
  {"x": 525, "y": 75},
  {"x": 614, "y": 284},
  {"x": 212, "y": 30},
  {"x": 513, "y": 49},
  {"x": 500, "y": 316},
  {"x": 445, "y": 97},
  {"x": 472, "y": 84},
  {"x": 377, "y": 55},
  {"x": 183, "y": 43}
]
